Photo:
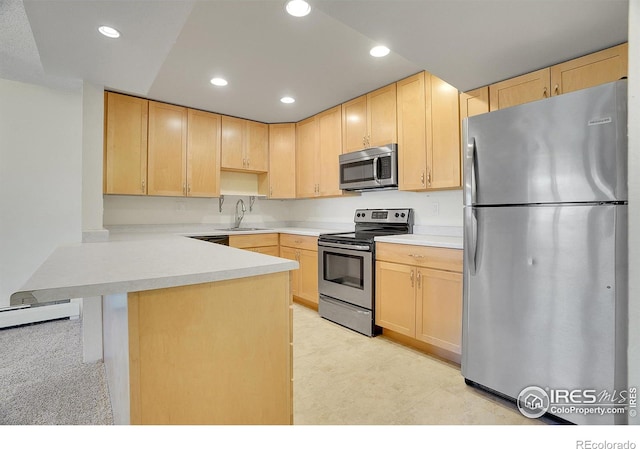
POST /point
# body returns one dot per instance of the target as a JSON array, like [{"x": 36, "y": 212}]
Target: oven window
[
  {"x": 344, "y": 269},
  {"x": 357, "y": 171}
]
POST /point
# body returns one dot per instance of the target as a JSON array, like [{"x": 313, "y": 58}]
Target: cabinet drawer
[
  {"x": 299, "y": 241},
  {"x": 423, "y": 256},
  {"x": 253, "y": 240}
]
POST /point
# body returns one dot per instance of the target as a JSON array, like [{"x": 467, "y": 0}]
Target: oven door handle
[{"x": 344, "y": 246}]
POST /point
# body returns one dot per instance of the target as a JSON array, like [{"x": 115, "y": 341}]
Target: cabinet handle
[
  {"x": 556, "y": 89},
  {"x": 544, "y": 92},
  {"x": 244, "y": 162},
  {"x": 429, "y": 177},
  {"x": 417, "y": 256},
  {"x": 364, "y": 141},
  {"x": 270, "y": 191},
  {"x": 248, "y": 162},
  {"x": 368, "y": 140},
  {"x": 184, "y": 188},
  {"x": 411, "y": 277},
  {"x": 298, "y": 241},
  {"x": 422, "y": 178},
  {"x": 418, "y": 281},
  {"x": 188, "y": 188},
  {"x": 143, "y": 186}
]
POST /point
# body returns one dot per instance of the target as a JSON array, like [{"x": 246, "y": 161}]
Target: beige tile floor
[{"x": 342, "y": 377}]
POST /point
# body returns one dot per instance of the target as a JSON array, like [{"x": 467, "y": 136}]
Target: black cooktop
[{"x": 371, "y": 223}]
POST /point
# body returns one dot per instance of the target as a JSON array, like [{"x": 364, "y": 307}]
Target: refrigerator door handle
[
  {"x": 471, "y": 238},
  {"x": 470, "y": 187}
]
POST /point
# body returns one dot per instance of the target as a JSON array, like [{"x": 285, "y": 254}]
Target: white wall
[
  {"x": 431, "y": 209},
  {"x": 40, "y": 177},
  {"x": 120, "y": 210},
  {"x": 634, "y": 197},
  {"x": 92, "y": 144}
]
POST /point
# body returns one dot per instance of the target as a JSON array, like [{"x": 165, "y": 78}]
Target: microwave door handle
[{"x": 375, "y": 169}]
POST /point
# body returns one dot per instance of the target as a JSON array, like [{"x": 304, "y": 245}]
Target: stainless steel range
[{"x": 346, "y": 271}]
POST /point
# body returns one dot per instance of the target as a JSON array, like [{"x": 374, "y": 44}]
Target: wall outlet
[{"x": 435, "y": 209}]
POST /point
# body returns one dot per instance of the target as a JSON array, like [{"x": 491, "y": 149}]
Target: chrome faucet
[{"x": 239, "y": 217}]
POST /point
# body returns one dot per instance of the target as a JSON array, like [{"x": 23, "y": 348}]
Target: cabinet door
[
  {"x": 381, "y": 116},
  {"x": 591, "y": 70},
  {"x": 439, "y": 308},
  {"x": 125, "y": 149},
  {"x": 519, "y": 90},
  {"x": 203, "y": 154},
  {"x": 395, "y": 297},
  {"x": 307, "y": 145},
  {"x": 354, "y": 124},
  {"x": 232, "y": 146},
  {"x": 474, "y": 102},
  {"x": 294, "y": 278},
  {"x": 443, "y": 164},
  {"x": 257, "y": 146},
  {"x": 414, "y": 125},
  {"x": 268, "y": 250},
  {"x": 282, "y": 160},
  {"x": 330, "y": 142},
  {"x": 308, "y": 280},
  {"x": 167, "y": 149}
]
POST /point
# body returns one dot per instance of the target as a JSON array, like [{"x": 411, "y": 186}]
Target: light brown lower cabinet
[
  {"x": 259, "y": 243},
  {"x": 212, "y": 353},
  {"x": 419, "y": 296},
  {"x": 304, "y": 281}
]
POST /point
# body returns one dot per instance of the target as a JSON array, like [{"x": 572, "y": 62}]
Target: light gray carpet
[{"x": 44, "y": 381}]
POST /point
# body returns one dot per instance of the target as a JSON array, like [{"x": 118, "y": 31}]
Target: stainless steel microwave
[{"x": 373, "y": 168}]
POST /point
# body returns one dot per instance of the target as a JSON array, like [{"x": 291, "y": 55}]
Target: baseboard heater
[{"x": 16, "y": 316}]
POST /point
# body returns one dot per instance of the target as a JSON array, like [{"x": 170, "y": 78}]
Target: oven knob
[
  {"x": 397, "y": 214},
  {"x": 402, "y": 214}
]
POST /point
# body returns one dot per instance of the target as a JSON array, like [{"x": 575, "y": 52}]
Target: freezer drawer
[{"x": 545, "y": 299}]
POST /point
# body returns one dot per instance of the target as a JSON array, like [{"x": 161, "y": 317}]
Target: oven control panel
[{"x": 384, "y": 216}]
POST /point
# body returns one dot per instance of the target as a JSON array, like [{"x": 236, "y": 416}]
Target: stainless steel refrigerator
[{"x": 545, "y": 249}]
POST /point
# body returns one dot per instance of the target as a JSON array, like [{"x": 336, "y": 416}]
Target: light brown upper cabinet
[
  {"x": 282, "y": 160},
  {"x": 369, "y": 120},
  {"x": 167, "y": 149},
  {"x": 521, "y": 89},
  {"x": 474, "y": 102},
  {"x": 307, "y": 145},
  {"x": 318, "y": 146},
  {"x": 203, "y": 154},
  {"x": 591, "y": 70},
  {"x": 245, "y": 145},
  {"x": 125, "y": 147},
  {"x": 330, "y": 148},
  {"x": 601, "y": 67},
  {"x": 428, "y": 134}
]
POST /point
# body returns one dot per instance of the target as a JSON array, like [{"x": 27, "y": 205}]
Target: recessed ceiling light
[
  {"x": 379, "y": 51},
  {"x": 219, "y": 81},
  {"x": 288, "y": 100},
  {"x": 109, "y": 32},
  {"x": 298, "y": 8}
]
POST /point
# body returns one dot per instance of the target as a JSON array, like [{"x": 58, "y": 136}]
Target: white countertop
[
  {"x": 423, "y": 240},
  {"x": 128, "y": 264}
]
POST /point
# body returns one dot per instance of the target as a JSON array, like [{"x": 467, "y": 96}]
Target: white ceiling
[{"x": 170, "y": 49}]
